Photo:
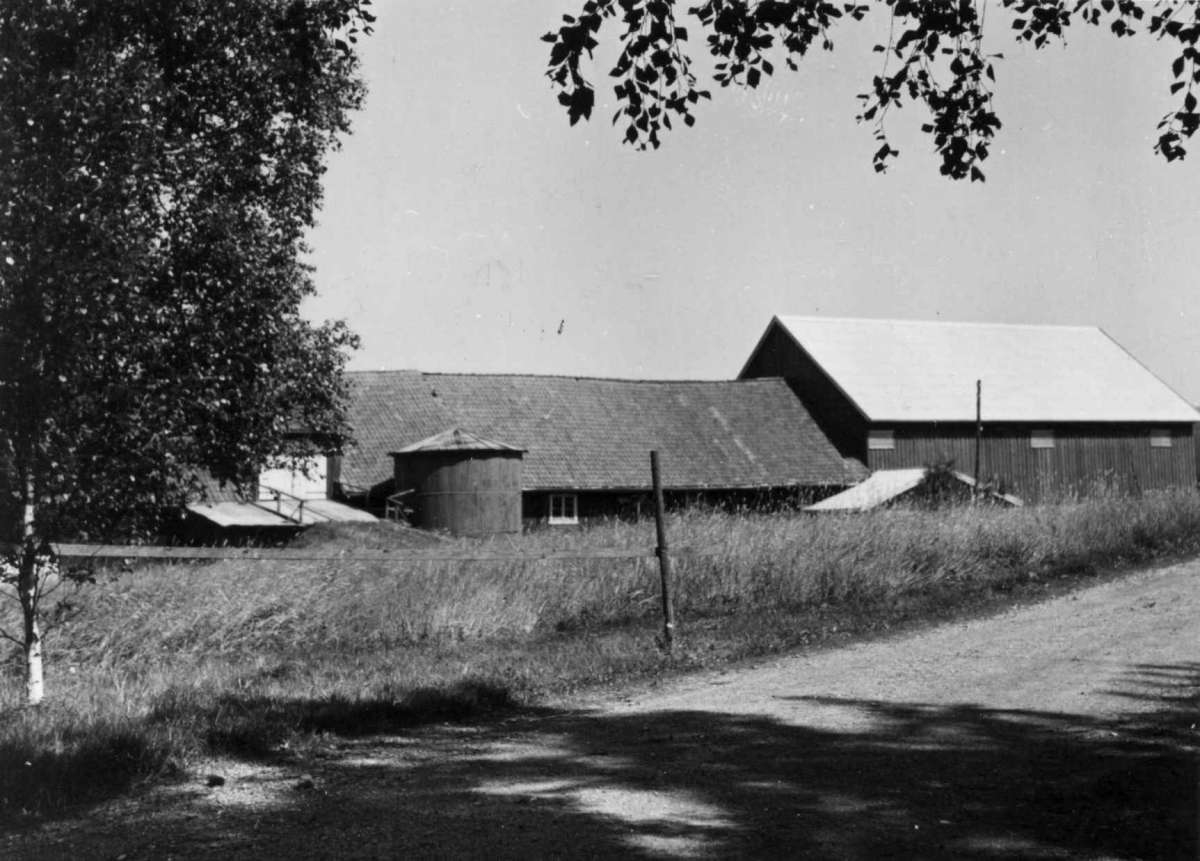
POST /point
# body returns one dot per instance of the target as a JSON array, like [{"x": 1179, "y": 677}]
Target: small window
[
  {"x": 1041, "y": 439},
  {"x": 1160, "y": 438},
  {"x": 881, "y": 440},
  {"x": 564, "y": 508}
]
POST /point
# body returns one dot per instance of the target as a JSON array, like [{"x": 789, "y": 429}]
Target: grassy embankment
[{"x": 168, "y": 663}]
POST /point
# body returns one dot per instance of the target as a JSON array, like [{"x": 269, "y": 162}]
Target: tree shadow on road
[
  {"x": 910, "y": 780},
  {"x": 891, "y": 780}
]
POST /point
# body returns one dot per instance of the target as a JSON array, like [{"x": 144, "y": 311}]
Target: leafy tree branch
[{"x": 936, "y": 45}]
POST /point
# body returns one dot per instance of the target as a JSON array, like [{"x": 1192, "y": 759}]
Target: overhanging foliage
[{"x": 934, "y": 56}]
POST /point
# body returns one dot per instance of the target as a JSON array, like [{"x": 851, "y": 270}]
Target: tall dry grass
[{"x": 167, "y": 662}]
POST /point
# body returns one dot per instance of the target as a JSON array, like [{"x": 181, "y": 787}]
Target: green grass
[{"x": 168, "y": 663}]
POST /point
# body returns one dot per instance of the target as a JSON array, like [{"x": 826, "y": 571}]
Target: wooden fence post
[
  {"x": 978, "y": 435},
  {"x": 664, "y": 557}
]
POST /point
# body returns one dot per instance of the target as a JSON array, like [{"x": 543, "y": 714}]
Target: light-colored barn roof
[{"x": 907, "y": 370}]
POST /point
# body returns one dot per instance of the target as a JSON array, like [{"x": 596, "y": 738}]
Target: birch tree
[{"x": 160, "y": 164}]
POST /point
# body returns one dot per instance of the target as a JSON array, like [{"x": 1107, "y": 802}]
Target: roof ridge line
[
  {"x": 927, "y": 322},
  {"x": 529, "y": 376}
]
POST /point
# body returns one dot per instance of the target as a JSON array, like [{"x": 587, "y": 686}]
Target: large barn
[
  {"x": 586, "y": 441},
  {"x": 1064, "y": 408}
]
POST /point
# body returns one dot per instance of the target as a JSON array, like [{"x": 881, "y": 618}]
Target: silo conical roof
[{"x": 456, "y": 439}]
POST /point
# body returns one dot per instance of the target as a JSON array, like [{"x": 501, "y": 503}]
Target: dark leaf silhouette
[{"x": 934, "y": 57}]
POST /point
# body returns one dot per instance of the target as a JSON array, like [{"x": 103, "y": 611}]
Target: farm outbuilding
[
  {"x": 1064, "y": 408},
  {"x": 586, "y": 441},
  {"x": 460, "y": 482},
  {"x": 287, "y": 498}
]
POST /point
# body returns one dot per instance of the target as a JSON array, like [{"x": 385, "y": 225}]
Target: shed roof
[
  {"x": 594, "y": 434},
  {"x": 231, "y": 513},
  {"x": 883, "y": 486},
  {"x": 909, "y": 370},
  {"x": 888, "y": 485}
]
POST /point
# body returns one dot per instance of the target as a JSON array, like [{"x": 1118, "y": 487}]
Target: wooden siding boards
[
  {"x": 637, "y": 504},
  {"x": 1085, "y": 455},
  {"x": 1196, "y": 442},
  {"x": 467, "y": 491}
]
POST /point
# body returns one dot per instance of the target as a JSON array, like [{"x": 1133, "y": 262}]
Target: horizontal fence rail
[{"x": 272, "y": 554}]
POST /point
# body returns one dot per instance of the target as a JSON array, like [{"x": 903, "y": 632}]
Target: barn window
[
  {"x": 564, "y": 508},
  {"x": 1160, "y": 438},
  {"x": 881, "y": 440},
  {"x": 1041, "y": 438}
]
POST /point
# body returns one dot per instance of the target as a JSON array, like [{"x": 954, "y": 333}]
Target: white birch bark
[
  {"x": 27, "y": 592},
  {"x": 34, "y": 682}
]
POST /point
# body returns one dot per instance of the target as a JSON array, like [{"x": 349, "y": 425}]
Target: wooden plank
[
  {"x": 1082, "y": 455},
  {"x": 664, "y": 554},
  {"x": 268, "y": 554}
]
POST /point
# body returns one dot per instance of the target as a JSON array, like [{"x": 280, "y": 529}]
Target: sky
[{"x": 468, "y": 228}]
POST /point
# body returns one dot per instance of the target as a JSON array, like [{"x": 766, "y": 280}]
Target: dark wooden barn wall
[
  {"x": 535, "y": 507},
  {"x": 778, "y": 355},
  {"x": 1083, "y": 456},
  {"x": 1196, "y": 437},
  {"x": 635, "y": 504}
]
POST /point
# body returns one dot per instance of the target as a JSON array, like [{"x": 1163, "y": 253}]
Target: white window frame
[
  {"x": 1041, "y": 438},
  {"x": 563, "y": 509},
  {"x": 881, "y": 440},
  {"x": 1161, "y": 438}
]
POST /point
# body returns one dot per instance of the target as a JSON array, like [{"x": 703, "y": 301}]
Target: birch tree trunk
[{"x": 28, "y": 592}]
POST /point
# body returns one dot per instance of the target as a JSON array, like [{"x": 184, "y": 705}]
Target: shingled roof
[{"x": 596, "y": 434}]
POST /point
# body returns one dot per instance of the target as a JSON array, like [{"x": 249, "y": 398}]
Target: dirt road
[{"x": 1062, "y": 730}]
